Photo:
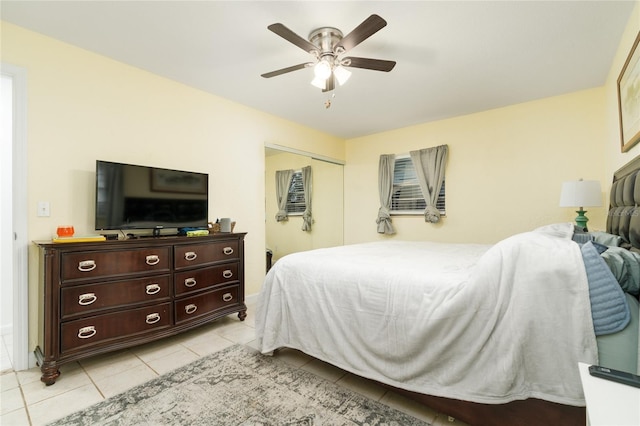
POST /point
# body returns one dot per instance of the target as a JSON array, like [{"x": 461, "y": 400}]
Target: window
[
  {"x": 407, "y": 197},
  {"x": 295, "y": 196}
]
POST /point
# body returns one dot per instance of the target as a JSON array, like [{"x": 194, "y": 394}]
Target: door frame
[{"x": 20, "y": 359}]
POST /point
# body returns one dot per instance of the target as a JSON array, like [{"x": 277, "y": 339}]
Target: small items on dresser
[
  {"x": 221, "y": 225},
  {"x": 65, "y": 231},
  {"x": 225, "y": 224}
]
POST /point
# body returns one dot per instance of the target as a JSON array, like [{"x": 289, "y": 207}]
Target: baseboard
[
  {"x": 33, "y": 360},
  {"x": 252, "y": 298}
]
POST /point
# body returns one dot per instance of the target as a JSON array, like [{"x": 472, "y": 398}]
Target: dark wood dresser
[{"x": 98, "y": 297}]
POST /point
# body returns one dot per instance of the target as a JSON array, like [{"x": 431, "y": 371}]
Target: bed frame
[{"x": 623, "y": 219}]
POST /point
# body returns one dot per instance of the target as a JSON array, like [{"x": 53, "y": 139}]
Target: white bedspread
[{"x": 489, "y": 324}]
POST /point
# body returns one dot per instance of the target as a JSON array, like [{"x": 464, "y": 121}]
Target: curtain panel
[
  {"x": 429, "y": 164},
  {"x": 385, "y": 191},
  {"x": 283, "y": 180},
  {"x": 307, "y": 218}
]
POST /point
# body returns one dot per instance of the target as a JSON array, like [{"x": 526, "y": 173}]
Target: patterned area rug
[{"x": 239, "y": 386}]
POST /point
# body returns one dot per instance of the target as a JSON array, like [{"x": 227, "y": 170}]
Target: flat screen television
[{"x": 140, "y": 197}]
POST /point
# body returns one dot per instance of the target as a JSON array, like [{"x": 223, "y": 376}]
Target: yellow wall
[
  {"x": 328, "y": 204},
  {"x": 82, "y": 107},
  {"x": 504, "y": 171}
]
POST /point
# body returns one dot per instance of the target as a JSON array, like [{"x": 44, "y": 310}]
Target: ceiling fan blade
[
  {"x": 292, "y": 37},
  {"x": 331, "y": 84},
  {"x": 366, "y": 29},
  {"x": 368, "y": 63},
  {"x": 286, "y": 70}
]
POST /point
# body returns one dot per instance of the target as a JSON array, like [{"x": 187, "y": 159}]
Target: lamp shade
[
  {"x": 581, "y": 193},
  {"x": 342, "y": 74},
  {"x": 319, "y": 83},
  {"x": 322, "y": 69}
]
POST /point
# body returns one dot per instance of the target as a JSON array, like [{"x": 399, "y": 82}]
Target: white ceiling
[{"x": 453, "y": 57}]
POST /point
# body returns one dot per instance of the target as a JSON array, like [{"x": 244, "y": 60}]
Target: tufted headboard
[{"x": 623, "y": 218}]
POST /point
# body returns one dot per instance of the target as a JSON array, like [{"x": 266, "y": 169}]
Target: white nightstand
[{"x": 609, "y": 403}]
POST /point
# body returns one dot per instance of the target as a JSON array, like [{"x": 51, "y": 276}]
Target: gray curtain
[
  {"x": 429, "y": 164},
  {"x": 283, "y": 180},
  {"x": 307, "y": 184},
  {"x": 385, "y": 190}
]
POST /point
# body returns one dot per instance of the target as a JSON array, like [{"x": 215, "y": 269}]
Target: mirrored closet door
[{"x": 285, "y": 237}]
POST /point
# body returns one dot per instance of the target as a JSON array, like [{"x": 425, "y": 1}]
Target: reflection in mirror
[{"x": 287, "y": 237}]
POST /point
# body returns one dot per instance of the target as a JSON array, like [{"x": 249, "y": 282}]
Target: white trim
[
  {"x": 251, "y": 298},
  {"x": 305, "y": 153},
  {"x": 21, "y": 359}
]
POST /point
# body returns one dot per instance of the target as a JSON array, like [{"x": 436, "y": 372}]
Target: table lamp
[{"x": 581, "y": 193}]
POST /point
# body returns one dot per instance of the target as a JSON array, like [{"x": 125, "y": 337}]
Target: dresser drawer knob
[
  {"x": 87, "y": 265},
  {"x": 227, "y": 273},
  {"x": 152, "y": 259},
  {"x": 190, "y": 282},
  {"x": 190, "y": 255},
  {"x": 227, "y": 297},
  {"x": 87, "y": 299},
  {"x": 152, "y": 288},
  {"x": 87, "y": 332},
  {"x": 227, "y": 250},
  {"x": 189, "y": 309},
  {"x": 153, "y": 318}
]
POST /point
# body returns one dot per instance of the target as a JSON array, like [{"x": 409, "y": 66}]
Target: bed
[{"x": 488, "y": 334}]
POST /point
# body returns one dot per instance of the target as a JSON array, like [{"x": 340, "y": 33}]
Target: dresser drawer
[
  {"x": 190, "y": 308},
  {"x": 199, "y": 279},
  {"x": 90, "y": 298},
  {"x": 94, "y": 264},
  {"x": 200, "y": 254},
  {"x": 98, "y": 329}
]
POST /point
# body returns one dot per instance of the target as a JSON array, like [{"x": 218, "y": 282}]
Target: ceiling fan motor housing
[{"x": 325, "y": 38}]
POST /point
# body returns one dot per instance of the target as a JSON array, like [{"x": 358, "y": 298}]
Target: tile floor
[{"x": 27, "y": 401}]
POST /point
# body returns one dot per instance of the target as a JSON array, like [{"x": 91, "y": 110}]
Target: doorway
[{"x": 13, "y": 219}]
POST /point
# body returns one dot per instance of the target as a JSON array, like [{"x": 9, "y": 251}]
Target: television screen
[{"x": 141, "y": 197}]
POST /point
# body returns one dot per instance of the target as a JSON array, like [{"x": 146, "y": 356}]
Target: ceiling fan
[{"x": 327, "y": 45}]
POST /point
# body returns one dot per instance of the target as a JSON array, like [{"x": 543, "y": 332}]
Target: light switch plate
[{"x": 44, "y": 209}]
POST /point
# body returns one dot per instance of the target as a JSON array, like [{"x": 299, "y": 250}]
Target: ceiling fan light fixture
[
  {"x": 342, "y": 74},
  {"x": 322, "y": 69},
  {"x": 327, "y": 45},
  {"x": 320, "y": 83}
]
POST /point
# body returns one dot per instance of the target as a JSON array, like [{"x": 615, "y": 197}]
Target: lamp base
[{"x": 581, "y": 219}]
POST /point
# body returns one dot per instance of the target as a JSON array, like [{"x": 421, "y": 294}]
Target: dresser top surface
[{"x": 146, "y": 241}]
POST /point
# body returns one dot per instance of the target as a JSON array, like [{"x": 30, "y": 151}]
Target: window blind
[
  {"x": 295, "y": 197},
  {"x": 407, "y": 197}
]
